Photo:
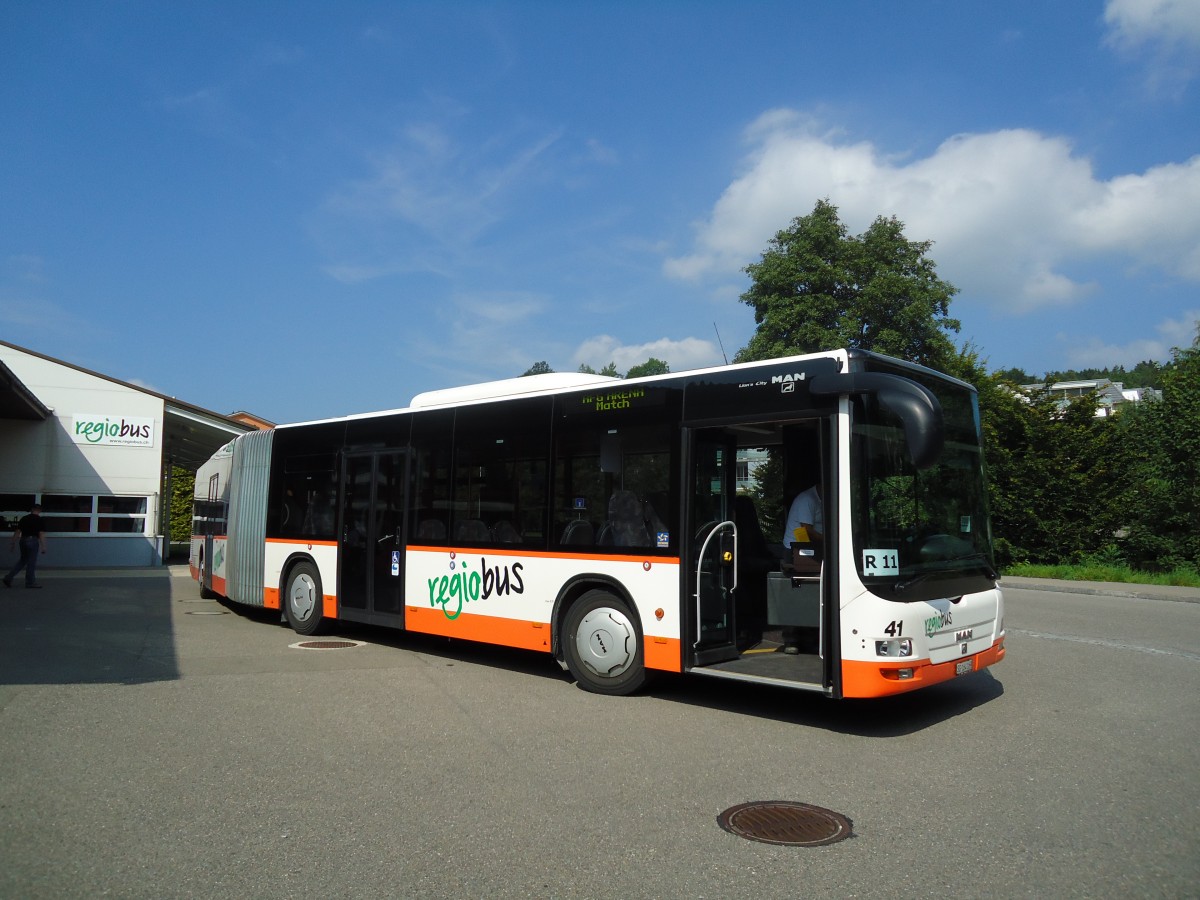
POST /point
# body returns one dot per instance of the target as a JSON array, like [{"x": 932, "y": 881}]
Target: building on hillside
[
  {"x": 98, "y": 455},
  {"x": 1110, "y": 395}
]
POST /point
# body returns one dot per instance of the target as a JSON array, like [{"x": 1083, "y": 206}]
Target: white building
[
  {"x": 1110, "y": 395},
  {"x": 97, "y": 454}
]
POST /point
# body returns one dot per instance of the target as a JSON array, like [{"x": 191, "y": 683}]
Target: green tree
[
  {"x": 1015, "y": 376},
  {"x": 541, "y": 367},
  {"x": 652, "y": 366},
  {"x": 1052, "y": 472},
  {"x": 818, "y": 287},
  {"x": 183, "y": 485},
  {"x": 1159, "y": 527}
]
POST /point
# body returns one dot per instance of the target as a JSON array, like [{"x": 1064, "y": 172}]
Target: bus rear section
[
  {"x": 229, "y": 533},
  {"x": 210, "y": 525}
]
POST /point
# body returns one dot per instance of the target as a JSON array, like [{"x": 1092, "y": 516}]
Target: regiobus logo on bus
[{"x": 469, "y": 582}]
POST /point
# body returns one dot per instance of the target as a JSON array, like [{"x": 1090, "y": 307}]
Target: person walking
[{"x": 31, "y": 535}]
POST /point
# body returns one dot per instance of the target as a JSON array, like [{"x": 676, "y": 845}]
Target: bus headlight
[{"x": 894, "y": 647}]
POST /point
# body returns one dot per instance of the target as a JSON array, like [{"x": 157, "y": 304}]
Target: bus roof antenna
[{"x": 722, "y": 345}]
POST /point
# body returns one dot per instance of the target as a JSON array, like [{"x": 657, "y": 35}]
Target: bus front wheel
[
  {"x": 602, "y": 646},
  {"x": 304, "y": 599}
]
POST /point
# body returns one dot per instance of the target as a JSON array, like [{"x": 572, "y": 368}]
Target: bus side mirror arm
[{"x": 916, "y": 406}]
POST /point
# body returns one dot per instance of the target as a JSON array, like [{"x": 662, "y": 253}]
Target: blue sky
[{"x": 311, "y": 209}]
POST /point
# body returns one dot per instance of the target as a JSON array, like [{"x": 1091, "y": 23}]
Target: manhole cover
[
  {"x": 785, "y": 822},
  {"x": 326, "y": 645}
]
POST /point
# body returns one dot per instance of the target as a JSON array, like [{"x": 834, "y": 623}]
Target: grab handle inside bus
[{"x": 915, "y": 405}]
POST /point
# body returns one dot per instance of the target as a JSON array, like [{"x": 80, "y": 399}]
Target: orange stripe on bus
[
  {"x": 512, "y": 550},
  {"x": 271, "y": 598},
  {"x": 485, "y": 629},
  {"x": 658, "y": 652},
  {"x": 507, "y": 550},
  {"x": 662, "y": 653},
  {"x": 880, "y": 679}
]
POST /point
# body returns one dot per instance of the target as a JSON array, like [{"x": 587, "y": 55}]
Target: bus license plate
[{"x": 966, "y": 667}]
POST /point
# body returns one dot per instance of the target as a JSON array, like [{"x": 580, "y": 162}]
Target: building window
[
  {"x": 12, "y": 507},
  {"x": 79, "y": 513}
]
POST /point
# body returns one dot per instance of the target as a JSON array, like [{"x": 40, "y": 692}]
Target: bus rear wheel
[
  {"x": 206, "y": 593},
  {"x": 304, "y": 600},
  {"x": 602, "y": 645}
]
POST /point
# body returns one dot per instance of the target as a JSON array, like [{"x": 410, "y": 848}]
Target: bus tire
[
  {"x": 303, "y": 599},
  {"x": 602, "y": 645},
  {"x": 206, "y": 593}
]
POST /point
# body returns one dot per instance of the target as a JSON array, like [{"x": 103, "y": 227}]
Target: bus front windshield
[{"x": 920, "y": 534}]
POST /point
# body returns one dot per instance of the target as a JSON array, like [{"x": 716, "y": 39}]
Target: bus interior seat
[
  {"x": 627, "y": 520},
  {"x": 431, "y": 530},
  {"x": 578, "y": 533},
  {"x": 471, "y": 530},
  {"x": 504, "y": 532}
]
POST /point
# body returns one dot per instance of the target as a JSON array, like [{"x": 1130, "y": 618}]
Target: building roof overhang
[
  {"x": 191, "y": 434},
  {"x": 17, "y": 401}
]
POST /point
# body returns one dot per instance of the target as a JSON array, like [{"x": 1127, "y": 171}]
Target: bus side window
[
  {"x": 501, "y": 468},
  {"x": 613, "y": 482},
  {"x": 429, "y": 500},
  {"x": 305, "y": 506}
]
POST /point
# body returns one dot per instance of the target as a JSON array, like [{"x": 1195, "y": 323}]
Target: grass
[{"x": 1100, "y": 572}]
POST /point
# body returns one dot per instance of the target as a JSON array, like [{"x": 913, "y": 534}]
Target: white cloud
[
  {"x": 35, "y": 315},
  {"x": 1163, "y": 35},
  {"x": 433, "y": 183},
  {"x": 1134, "y": 22},
  {"x": 492, "y": 308},
  {"x": 1008, "y": 211},
  {"x": 689, "y": 353},
  {"x": 26, "y": 267},
  {"x": 1095, "y": 353}
]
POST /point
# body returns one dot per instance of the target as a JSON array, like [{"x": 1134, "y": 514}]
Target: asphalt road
[{"x": 159, "y": 746}]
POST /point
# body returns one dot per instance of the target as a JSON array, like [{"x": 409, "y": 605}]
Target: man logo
[{"x": 787, "y": 383}]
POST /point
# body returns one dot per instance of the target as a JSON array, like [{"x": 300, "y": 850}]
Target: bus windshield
[{"x": 920, "y": 534}]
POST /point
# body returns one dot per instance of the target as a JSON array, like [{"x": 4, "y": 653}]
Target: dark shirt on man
[{"x": 30, "y": 526}]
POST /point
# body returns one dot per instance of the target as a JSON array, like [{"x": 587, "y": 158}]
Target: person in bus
[
  {"x": 805, "y": 522},
  {"x": 804, "y": 533},
  {"x": 31, "y": 535}
]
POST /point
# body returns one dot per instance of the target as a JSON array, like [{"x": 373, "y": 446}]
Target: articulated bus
[{"x": 629, "y": 527}]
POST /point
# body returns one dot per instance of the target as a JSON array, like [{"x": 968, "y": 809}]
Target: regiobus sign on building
[{"x": 119, "y": 431}]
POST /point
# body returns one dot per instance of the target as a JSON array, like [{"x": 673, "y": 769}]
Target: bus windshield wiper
[
  {"x": 901, "y": 586},
  {"x": 984, "y": 564}
]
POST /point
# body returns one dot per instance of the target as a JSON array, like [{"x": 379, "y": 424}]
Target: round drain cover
[
  {"x": 785, "y": 822},
  {"x": 326, "y": 645}
]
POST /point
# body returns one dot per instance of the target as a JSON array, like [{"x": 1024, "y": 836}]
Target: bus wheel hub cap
[
  {"x": 303, "y": 597},
  {"x": 606, "y": 642}
]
